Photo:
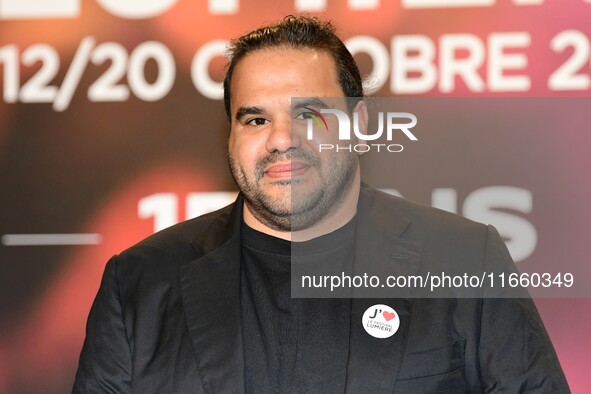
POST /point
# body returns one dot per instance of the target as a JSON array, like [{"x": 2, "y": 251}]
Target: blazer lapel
[
  {"x": 380, "y": 250},
  {"x": 210, "y": 288}
]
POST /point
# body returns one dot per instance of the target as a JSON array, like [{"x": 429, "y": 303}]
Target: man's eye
[
  {"x": 257, "y": 121},
  {"x": 305, "y": 115}
]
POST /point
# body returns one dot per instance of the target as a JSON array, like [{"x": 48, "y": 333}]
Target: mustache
[{"x": 300, "y": 155}]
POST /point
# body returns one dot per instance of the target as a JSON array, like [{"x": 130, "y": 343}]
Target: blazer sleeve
[
  {"x": 516, "y": 355},
  {"x": 105, "y": 361}
]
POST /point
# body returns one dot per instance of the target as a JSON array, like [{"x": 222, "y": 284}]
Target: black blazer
[{"x": 167, "y": 316}]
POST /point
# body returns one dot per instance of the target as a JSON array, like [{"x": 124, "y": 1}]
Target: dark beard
[
  {"x": 264, "y": 208},
  {"x": 312, "y": 205}
]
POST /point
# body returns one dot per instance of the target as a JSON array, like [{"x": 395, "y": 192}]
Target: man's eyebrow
[
  {"x": 243, "y": 111},
  {"x": 309, "y": 102}
]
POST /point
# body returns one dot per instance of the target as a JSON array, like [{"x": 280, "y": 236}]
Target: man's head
[
  {"x": 287, "y": 184},
  {"x": 297, "y": 32}
]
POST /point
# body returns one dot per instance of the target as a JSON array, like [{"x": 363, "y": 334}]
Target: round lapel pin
[{"x": 380, "y": 321}]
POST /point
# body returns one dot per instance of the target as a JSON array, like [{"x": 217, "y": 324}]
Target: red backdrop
[{"x": 111, "y": 127}]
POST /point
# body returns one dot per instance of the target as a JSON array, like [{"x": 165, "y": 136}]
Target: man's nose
[{"x": 282, "y": 137}]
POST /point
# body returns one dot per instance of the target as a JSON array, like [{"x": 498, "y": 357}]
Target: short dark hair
[{"x": 298, "y": 32}]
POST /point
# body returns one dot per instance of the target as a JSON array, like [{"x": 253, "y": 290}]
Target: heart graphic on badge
[{"x": 389, "y": 315}]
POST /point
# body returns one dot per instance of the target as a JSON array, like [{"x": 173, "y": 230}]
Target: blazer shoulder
[
  {"x": 446, "y": 237},
  {"x": 430, "y": 218},
  {"x": 182, "y": 240}
]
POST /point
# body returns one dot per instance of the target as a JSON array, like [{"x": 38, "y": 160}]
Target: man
[{"x": 205, "y": 306}]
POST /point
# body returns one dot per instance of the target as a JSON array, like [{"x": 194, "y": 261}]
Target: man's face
[{"x": 288, "y": 185}]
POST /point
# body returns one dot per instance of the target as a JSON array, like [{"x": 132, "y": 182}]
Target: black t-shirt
[{"x": 293, "y": 345}]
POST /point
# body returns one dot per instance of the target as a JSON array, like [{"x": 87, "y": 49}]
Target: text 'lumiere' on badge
[{"x": 380, "y": 321}]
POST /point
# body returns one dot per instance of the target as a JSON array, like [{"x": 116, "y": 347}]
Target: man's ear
[{"x": 362, "y": 117}]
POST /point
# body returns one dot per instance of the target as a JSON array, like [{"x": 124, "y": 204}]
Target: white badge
[{"x": 380, "y": 321}]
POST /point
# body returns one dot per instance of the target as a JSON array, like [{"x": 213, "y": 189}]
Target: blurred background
[{"x": 112, "y": 127}]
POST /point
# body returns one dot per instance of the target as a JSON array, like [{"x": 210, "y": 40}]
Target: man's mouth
[{"x": 287, "y": 170}]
